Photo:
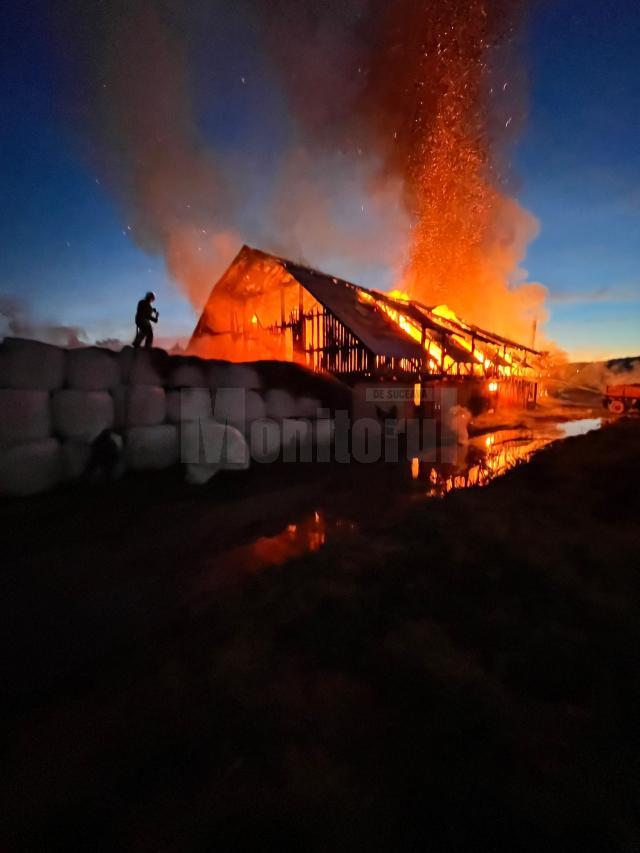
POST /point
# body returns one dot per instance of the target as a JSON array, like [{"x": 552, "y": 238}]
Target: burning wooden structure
[{"x": 266, "y": 307}]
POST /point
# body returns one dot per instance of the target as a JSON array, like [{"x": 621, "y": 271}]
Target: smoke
[
  {"x": 16, "y": 321},
  {"x": 596, "y": 375},
  {"x": 395, "y": 154},
  {"x": 432, "y": 95},
  {"x": 138, "y": 122},
  {"x": 328, "y": 206}
]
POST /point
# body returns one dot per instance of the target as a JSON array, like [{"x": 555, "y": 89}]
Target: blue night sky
[{"x": 65, "y": 251}]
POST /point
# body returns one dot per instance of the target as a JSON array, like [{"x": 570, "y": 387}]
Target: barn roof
[
  {"x": 366, "y": 322},
  {"x": 254, "y": 273}
]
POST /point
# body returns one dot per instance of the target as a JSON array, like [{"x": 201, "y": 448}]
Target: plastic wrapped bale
[
  {"x": 280, "y": 404},
  {"x": 24, "y": 416},
  {"x": 199, "y": 475},
  {"x": 265, "y": 440},
  {"x": 28, "y": 469},
  {"x": 297, "y": 440},
  {"x": 31, "y": 365},
  {"x": 229, "y": 375},
  {"x": 92, "y": 369},
  {"x": 82, "y": 415},
  {"x": 186, "y": 372},
  {"x": 307, "y": 407},
  {"x": 189, "y": 404},
  {"x": 146, "y": 405},
  {"x": 75, "y": 458},
  {"x": 151, "y": 448},
  {"x": 255, "y": 407},
  {"x": 142, "y": 366},
  {"x": 207, "y": 447},
  {"x": 324, "y": 430},
  {"x": 238, "y": 407},
  {"x": 139, "y": 405},
  {"x": 120, "y": 396}
]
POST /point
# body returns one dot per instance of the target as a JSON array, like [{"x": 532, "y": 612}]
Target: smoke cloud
[
  {"x": 396, "y": 152},
  {"x": 16, "y": 321}
]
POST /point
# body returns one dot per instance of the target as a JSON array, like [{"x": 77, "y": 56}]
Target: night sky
[{"x": 67, "y": 258}]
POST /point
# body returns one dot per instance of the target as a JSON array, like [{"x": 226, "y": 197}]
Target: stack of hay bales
[
  {"x": 168, "y": 409},
  {"x": 84, "y": 407},
  {"x": 151, "y": 443}
]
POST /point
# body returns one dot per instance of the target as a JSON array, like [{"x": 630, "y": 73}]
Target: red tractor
[{"x": 622, "y": 398}]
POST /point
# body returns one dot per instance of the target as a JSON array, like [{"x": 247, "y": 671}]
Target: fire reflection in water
[
  {"x": 308, "y": 534},
  {"x": 489, "y": 456}
]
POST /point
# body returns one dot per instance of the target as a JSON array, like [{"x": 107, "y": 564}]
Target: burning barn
[{"x": 266, "y": 307}]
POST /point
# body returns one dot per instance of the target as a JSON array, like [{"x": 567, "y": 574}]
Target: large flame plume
[
  {"x": 456, "y": 99},
  {"x": 415, "y": 102}
]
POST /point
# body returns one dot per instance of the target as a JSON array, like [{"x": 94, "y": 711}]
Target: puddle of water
[
  {"x": 581, "y": 427},
  {"x": 493, "y": 454},
  {"x": 488, "y": 456},
  {"x": 308, "y": 534}
]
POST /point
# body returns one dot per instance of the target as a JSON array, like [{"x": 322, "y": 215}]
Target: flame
[
  {"x": 400, "y": 295},
  {"x": 446, "y": 312},
  {"x": 456, "y": 107}
]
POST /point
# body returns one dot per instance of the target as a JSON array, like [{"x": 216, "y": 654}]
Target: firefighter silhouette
[{"x": 146, "y": 314}]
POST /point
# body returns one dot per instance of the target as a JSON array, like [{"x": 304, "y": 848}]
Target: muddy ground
[{"x": 460, "y": 675}]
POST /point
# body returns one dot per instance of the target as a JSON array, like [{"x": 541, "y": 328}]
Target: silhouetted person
[{"x": 145, "y": 316}]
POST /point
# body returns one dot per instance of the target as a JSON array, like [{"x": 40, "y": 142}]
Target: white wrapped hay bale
[
  {"x": 28, "y": 469},
  {"x": 151, "y": 448},
  {"x": 207, "y": 447},
  {"x": 92, "y": 369},
  {"x": 280, "y": 404},
  {"x": 82, "y": 415},
  {"x": 307, "y": 407},
  {"x": 255, "y": 407},
  {"x": 189, "y": 404},
  {"x": 324, "y": 430},
  {"x": 198, "y": 475},
  {"x": 297, "y": 440},
  {"x": 186, "y": 373},
  {"x": 24, "y": 416},
  {"x": 31, "y": 365},
  {"x": 139, "y": 405},
  {"x": 75, "y": 458},
  {"x": 120, "y": 395},
  {"x": 142, "y": 366},
  {"x": 146, "y": 405},
  {"x": 238, "y": 407},
  {"x": 229, "y": 375},
  {"x": 265, "y": 440}
]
